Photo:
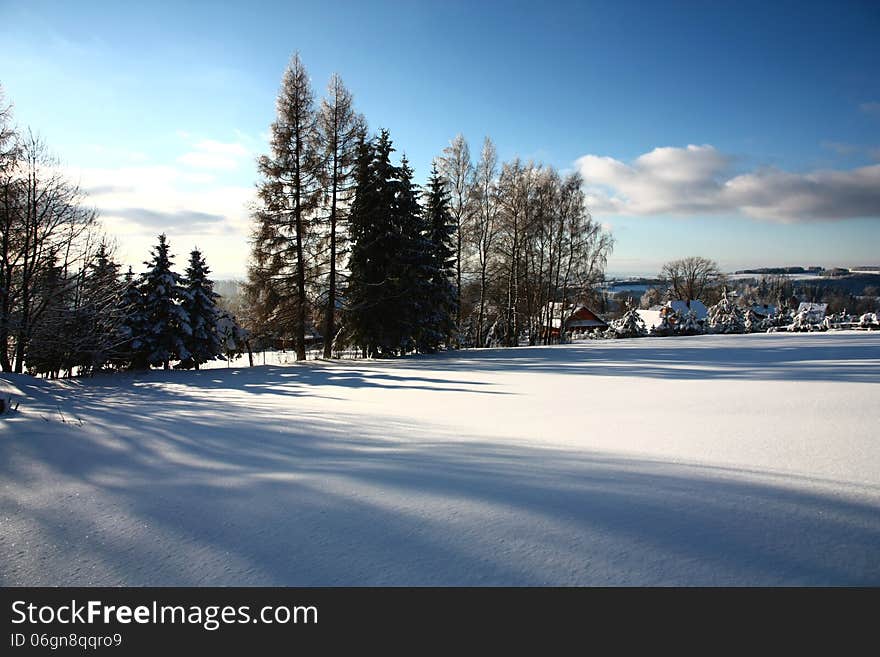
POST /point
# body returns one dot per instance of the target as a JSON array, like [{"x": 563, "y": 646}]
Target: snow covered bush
[
  {"x": 869, "y": 321},
  {"x": 751, "y": 321},
  {"x": 689, "y": 325},
  {"x": 774, "y": 322},
  {"x": 803, "y": 322},
  {"x": 233, "y": 338}
]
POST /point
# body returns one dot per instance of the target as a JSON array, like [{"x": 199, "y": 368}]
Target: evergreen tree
[
  {"x": 393, "y": 266},
  {"x": 52, "y": 342},
  {"x": 100, "y": 316},
  {"x": 289, "y": 194},
  {"x": 203, "y": 342},
  {"x": 412, "y": 269},
  {"x": 689, "y": 324},
  {"x": 751, "y": 321},
  {"x": 374, "y": 245},
  {"x": 233, "y": 338},
  {"x": 631, "y": 325},
  {"x": 442, "y": 304},
  {"x": 166, "y": 324},
  {"x": 725, "y": 316},
  {"x": 131, "y": 351}
]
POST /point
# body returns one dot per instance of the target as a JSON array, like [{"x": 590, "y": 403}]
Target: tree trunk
[
  {"x": 458, "y": 278},
  {"x": 300, "y": 265},
  {"x": 329, "y": 328}
]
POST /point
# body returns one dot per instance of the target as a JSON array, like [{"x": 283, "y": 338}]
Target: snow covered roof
[
  {"x": 576, "y": 316},
  {"x": 651, "y": 318},
  {"x": 764, "y": 310},
  {"x": 812, "y": 308},
  {"x": 681, "y": 307}
]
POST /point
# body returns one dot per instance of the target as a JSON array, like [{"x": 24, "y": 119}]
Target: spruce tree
[
  {"x": 412, "y": 268},
  {"x": 374, "y": 245},
  {"x": 100, "y": 316},
  {"x": 166, "y": 324},
  {"x": 130, "y": 351},
  {"x": 203, "y": 342},
  {"x": 725, "y": 316},
  {"x": 631, "y": 325},
  {"x": 442, "y": 306}
]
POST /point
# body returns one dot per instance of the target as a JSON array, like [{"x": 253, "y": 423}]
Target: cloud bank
[
  {"x": 211, "y": 154},
  {"x": 198, "y": 198},
  {"x": 700, "y": 180}
]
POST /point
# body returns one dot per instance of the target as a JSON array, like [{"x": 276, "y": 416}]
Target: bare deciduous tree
[
  {"x": 484, "y": 229},
  {"x": 48, "y": 220},
  {"x": 690, "y": 278},
  {"x": 457, "y": 170}
]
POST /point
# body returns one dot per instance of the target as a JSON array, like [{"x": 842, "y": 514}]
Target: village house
[
  {"x": 576, "y": 319},
  {"x": 653, "y": 317}
]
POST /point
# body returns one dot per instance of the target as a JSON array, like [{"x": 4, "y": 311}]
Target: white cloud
[
  {"x": 210, "y": 154},
  {"x": 818, "y": 195},
  {"x": 138, "y": 202},
  {"x": 700, "y": 180}
]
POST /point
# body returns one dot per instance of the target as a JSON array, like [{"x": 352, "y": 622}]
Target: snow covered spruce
[{"x": 175, "y": 318}]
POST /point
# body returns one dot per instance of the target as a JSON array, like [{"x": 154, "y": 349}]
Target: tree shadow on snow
[
  {"x": 758, "y": 357},
  {"x": 207, "y": 493}
]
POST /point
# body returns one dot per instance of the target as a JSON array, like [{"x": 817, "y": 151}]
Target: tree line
[
  {"x": 348, "y": 250},
  {"x": 65, "y": 306}
]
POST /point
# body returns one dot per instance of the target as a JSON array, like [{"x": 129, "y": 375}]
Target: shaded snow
[{"x": 705, "y": 460}]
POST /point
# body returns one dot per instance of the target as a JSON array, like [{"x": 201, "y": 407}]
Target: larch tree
[
  {"x": 340, "y": 129},
  {"x": 289, "y": 194}
]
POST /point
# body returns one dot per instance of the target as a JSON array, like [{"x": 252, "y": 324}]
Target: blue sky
[{"x": 746, "y": 132}]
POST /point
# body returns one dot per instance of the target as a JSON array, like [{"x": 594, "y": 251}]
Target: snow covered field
[{"x": 716, "y": 460}]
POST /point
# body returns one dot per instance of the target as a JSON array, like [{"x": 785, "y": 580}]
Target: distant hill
[{"x": 782, "y": 270}]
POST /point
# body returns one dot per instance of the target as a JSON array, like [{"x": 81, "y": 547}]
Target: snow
[{"x": 706, "y": 460}]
